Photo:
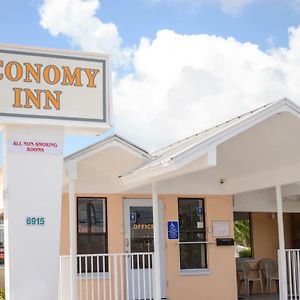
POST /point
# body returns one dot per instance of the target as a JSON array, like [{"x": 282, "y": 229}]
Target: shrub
[
  {"x": 243, "y": 253},
  {"x": 2, "y": 294}
]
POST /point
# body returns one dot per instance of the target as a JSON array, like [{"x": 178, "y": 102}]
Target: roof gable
[
  {"x": 98, "y": 146},
  {"x": 167, "y": 159}
]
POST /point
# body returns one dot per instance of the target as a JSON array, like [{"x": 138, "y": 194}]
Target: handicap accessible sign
[{"x": 173, "y": 230}]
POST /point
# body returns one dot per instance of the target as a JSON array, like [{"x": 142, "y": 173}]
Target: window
[
  {"x": 91, "y": 229},
  {"x": 192, "y": 233},
  {"x": 242, "y": 234}
]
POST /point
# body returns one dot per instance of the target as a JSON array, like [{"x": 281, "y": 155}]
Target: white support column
[
  {"x": 281, "y": 255},
  {"x": 32, "y": 210},
  {"x": 157, "y": 256},
  {"x": 72, "y": 176}
]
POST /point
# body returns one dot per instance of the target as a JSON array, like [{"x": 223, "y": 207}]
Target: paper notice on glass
[{"x": 200, "y": 225}]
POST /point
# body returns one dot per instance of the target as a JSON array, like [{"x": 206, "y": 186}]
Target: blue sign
[
  {"x": 173, "y": 229},
  {"x": 199, "y": 211},
  {"x": 132, "y": 218}
]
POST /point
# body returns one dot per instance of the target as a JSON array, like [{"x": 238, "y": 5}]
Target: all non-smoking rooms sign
[{"x": 53, "y": 85}]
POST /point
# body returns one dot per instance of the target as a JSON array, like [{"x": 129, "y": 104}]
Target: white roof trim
[
  {"x": 170, "y": 169},
  {"x": 101, "y": 145},
  {"x": 166, "y": 164}
]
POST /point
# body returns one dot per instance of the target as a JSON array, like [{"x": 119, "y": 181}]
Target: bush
[
  {"x": 2, "y": 294},
  {"x": 242, "y": 254}
]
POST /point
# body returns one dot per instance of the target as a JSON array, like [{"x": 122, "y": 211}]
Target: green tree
[{"x": 242, "y": 233}]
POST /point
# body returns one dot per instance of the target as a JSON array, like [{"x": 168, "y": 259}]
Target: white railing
[
  {"x": 293, "y": 272},
  {"x": 64, "y": 278},
  {"x": 124, "y": 276}
]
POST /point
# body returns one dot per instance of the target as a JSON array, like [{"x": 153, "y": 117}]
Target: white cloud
[
  {"x": 295, "y": 2},
  {"x": 234, "y": 6},
  {"x": 77, "y": 20},
  {"x": 227, "y": 6},
  {"x": 182, "y": 84}
]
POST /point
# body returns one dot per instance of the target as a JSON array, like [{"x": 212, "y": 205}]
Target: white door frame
[{"x": 127, "y": 203}]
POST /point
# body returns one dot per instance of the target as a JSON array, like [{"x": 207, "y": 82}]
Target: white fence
[
  {"x": 64, "y": 278},
  {"x": 293, "y": 273},
  {"x": 125, "y": 276}
]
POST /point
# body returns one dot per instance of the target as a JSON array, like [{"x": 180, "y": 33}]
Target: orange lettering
[
  {"x": 91, "y": 74},
  {"x": 56, "y": 74},
  {"x": 35, "y": 99},
  {"x": 35, "y": 73},
  {"x": 69, "y": 78},
  {"x": 54, "y": 100},
  {"x": 8, "y": 71},
  {"x": 17, "y": 102}
]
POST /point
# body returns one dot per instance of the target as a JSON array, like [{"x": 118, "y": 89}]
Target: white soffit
[
  {"x": 264, "y": 200},
  {"x": 91, "y": 151}
]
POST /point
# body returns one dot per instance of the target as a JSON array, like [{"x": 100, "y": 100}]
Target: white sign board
[
  {"x": 43, "y": 93},
  {"x": 54, "y": 85},
  {"x": 221, "y": 229}
]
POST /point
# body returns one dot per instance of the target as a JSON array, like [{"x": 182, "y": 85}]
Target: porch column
[
  {"x": 157, "y": 257},
  {"x": 72, "y": 175},
  {"x": 281, "y": 254}
]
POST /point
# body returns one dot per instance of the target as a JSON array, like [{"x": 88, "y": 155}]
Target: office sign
[{"x": 54, "y": 85}]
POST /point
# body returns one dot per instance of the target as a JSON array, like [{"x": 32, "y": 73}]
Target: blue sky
[
  {"x": 194, "y": 93},
  {"x": 137, "y": 18}
]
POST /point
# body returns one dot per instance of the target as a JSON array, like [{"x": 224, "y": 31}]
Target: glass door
[{"x": 138, "y": 244}]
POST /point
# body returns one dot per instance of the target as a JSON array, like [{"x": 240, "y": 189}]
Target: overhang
[{"x": 255, "y": 150}]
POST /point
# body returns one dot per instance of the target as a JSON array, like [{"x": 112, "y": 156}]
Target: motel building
[
  {"x": 139, "y": 225},
  {"x": 213, "y": 216}
]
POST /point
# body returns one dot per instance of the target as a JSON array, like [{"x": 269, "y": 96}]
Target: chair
[
  {"x": 270, "y": 273},
  {"x": 248, "y": 276}
]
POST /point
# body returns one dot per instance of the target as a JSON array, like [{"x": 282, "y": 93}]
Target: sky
[{"x": 179, "y": 66}]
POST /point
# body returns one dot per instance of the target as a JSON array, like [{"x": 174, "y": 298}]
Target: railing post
[
  {"x": 281, "y": 252},
  {"x": 72, "y": 176},
  {"x": 157, "y": 262},
  {"x": 116, "y": 278}
]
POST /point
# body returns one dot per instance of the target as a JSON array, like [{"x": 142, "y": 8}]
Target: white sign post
[{"x": 43, "y": 94}]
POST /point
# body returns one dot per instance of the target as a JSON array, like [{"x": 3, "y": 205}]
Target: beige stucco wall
[
  {"x": 265, "y": 238},
  {"x": 114, "y": 222},
  {"x": 219, "y": 284},
  {"x": 265, "y": 235}
]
